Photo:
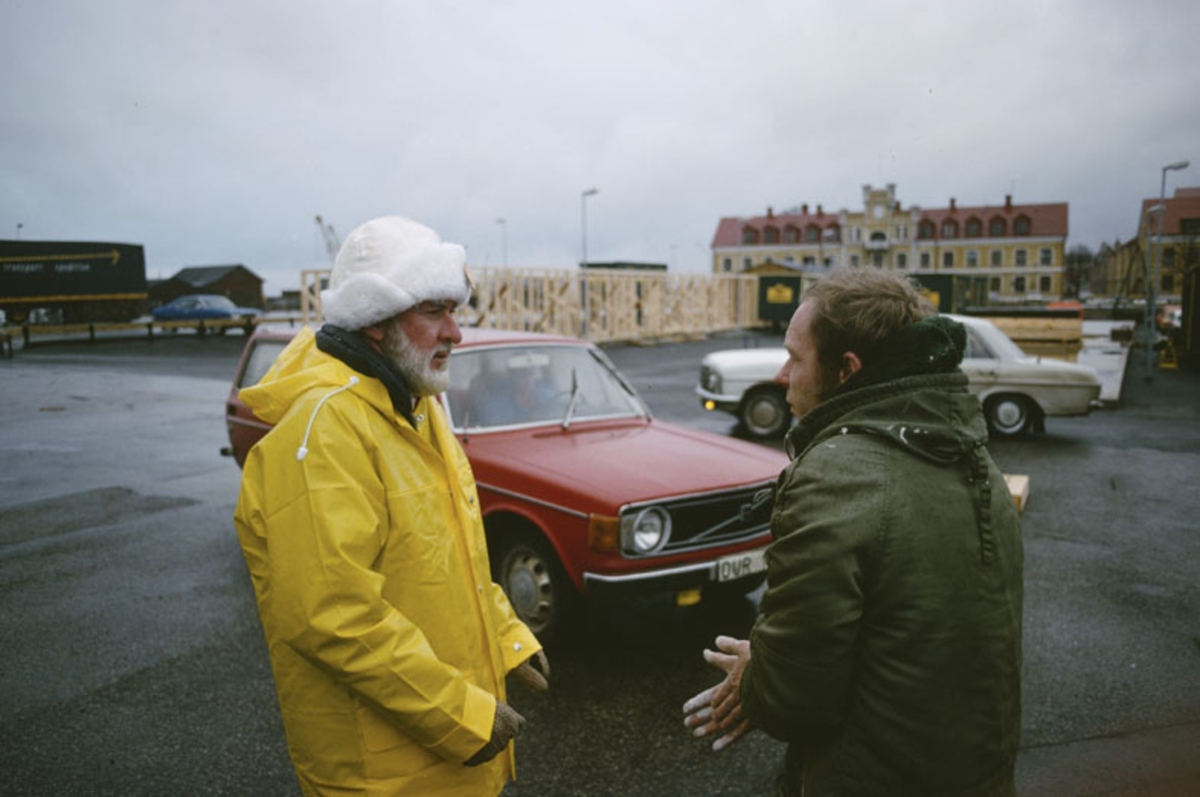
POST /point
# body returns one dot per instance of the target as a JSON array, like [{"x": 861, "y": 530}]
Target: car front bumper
[
  {"x": 732, "y": 568},
  {"x": 718, "y": 401}
]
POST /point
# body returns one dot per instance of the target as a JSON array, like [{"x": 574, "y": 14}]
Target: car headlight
[
  {"x": 646, "y": 530},
  {"x": 712, "y": 381}
]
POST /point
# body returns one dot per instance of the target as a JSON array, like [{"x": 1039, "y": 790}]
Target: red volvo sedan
[{"x": 583, "y": 492}]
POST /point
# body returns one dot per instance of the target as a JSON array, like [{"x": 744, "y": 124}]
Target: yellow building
[
  {"x": 1019, "y": 249},
  {"x": 1171, "y": 256}
]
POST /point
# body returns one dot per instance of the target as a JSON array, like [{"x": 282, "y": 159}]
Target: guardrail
[{"x": 30, "y": 333}]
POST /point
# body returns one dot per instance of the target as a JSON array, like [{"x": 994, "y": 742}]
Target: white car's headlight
[
  {"x": 712, "y": 381},
  {"x": 646, "y": 530}
]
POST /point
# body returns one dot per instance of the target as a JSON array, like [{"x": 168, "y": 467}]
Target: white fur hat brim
[{"x": 389, "y": 265}]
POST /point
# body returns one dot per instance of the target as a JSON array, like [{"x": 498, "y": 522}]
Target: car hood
[
  {"x": 737, "y": 361},
  {"x": 601, "y": 466},
  {"x": 1032, "y": 369}
]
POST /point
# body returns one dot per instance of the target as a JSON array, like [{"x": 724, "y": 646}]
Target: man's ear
[
  {"x": 850, "y": 366},
  {"x": 373, "y": 333}
]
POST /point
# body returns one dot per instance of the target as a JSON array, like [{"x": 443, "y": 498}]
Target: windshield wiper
[{"x": 566, "y": 421}]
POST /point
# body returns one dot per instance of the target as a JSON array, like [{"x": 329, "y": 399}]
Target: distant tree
[{"x": 1078, "y": 270}]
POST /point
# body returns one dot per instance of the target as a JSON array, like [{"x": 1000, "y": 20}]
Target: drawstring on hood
[
  {"x": 302, "y": 451},
  {"x": 355, "y": 351}
]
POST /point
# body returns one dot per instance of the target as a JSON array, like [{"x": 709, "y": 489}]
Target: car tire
[
  {"x": 765, "y": 413},
  {"x": 1009, "y": 415},
  {"x": 527, "y": 569}
]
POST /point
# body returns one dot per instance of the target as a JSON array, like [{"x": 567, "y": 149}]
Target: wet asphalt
[{"x": 133, "y": 663}]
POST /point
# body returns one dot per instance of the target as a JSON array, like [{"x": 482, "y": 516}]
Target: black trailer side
[{"x": 72, "y": 281}]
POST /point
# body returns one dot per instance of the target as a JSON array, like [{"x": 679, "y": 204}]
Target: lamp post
[
  {"x": 1152, "y": 282},
  {"x": 19, "y": 226},
  {"x": 583, "y": 220},
  {"x": 583, "y": 261},
  {"x": 503, "y": 239}
]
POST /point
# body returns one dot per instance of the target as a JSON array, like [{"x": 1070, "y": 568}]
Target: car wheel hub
[{"x": 529, "y": 588}]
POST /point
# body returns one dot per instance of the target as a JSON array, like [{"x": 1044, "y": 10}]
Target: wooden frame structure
[{"x": 602, "y": 305}]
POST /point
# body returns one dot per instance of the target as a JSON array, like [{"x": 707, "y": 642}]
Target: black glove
[{"x": 505, "y": 727}]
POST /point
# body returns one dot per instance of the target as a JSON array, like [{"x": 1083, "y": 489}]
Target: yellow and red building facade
[{"x": 1018, "y": 248}]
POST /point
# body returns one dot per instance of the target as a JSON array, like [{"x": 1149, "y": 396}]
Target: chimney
[
  {"x": 804, "y": 209},
  {"x": 951, "y": 204},
  {"x": 1008, "y": 202},
  {"x": 770, "y": 212},
  {"x": 820, "y": 211}
]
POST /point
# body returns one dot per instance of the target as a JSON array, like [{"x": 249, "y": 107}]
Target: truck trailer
[{"x": 71, "y": 282}]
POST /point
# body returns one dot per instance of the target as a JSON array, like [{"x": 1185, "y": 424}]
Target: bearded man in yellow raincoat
[{"x": 361, "y": 528}]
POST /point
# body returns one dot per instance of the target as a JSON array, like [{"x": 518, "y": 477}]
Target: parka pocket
[{"x": 405, "y": 756}]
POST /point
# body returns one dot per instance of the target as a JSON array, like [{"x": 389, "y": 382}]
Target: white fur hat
[{"x": 387, "y": 266}]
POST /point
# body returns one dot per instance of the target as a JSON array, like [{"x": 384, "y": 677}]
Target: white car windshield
[{"x": 534, "y": 384}]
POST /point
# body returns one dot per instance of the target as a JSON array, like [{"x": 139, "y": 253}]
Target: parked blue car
[{"x": 195, "y": 307}]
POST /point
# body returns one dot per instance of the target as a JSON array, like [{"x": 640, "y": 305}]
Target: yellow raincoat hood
[{"x": 364, "y": 540}]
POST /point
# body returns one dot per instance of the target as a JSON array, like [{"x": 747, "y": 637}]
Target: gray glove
[
  {"x": 505, "y": 727},
  {"x": 534, "y": 672}
]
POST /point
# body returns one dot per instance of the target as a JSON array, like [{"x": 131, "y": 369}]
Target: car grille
[{"x": 709, "y": 520}]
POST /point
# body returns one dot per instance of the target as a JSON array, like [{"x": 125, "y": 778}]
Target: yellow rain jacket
[{"x": 388, "y": 640}]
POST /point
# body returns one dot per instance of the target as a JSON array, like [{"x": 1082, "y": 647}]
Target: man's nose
[{"x": 450, "y": 330}]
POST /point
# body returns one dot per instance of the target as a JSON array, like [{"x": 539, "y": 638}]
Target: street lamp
[
  {"x": 19, "y": 226},
  {"x": 503, "y": 238},
  {"x": 1152, "y": 284},
  {"x": 583, "y": 216},
  {"x": 583, "y": 262}
]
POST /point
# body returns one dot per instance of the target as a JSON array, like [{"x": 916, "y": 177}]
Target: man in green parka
[{"x": 887, "y": 650}]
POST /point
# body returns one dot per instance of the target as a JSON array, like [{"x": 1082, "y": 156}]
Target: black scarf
[{"x": 356, "y": 351}]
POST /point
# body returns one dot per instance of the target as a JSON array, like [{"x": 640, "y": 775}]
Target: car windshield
[
  {"x": 987, "y": 342},
  {"x": 534, "y": 384}
]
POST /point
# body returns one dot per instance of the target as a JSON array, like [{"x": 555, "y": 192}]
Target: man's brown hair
[{"x": 855, "y": 309}]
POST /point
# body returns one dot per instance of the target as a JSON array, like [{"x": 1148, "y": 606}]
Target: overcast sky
[{"x": 213, "y": 131}]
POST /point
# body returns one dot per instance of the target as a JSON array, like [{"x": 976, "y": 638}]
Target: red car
[{"x": 583, "y": 492}]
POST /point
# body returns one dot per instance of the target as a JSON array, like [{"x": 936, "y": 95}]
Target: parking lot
[{"x": 133, "y": 661}]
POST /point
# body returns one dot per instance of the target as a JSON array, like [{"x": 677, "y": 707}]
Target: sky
[{"x": 215, "y": 131}]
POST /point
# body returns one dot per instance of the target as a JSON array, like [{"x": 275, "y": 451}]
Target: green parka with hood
[
  {"x": 364, "y": 540},
  {"x": 887, "y": 651}
]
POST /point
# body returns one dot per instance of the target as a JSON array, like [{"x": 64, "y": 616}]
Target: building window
[
  {"x": 972, "y": 258},
  {"x": 809, "y": 260},
  {"x": 997, "y": 258},
  {"x": 877, "y": 259},
  {"x": 1045, "y": 257},
  {"x": 947, "y": 259},
  {"x": 855, "y": 235},
  {"x": 926, "y": 230},
  {"x": 1189, "y": 226},
  {"x": 749, "y": 236},
  {"x": 833, "y": 234},
  {"x": 1044, "y": 284},
  {"x": 994, "y": 285},
  {"x": 1021, "y": 226},
  {"x": 791, "y": 235},
  {"x": 727, "y": 264},
  {"x": 902, "y": 232},
  {"x": 974, "y": 228},
  {"x": 1018, "y": 284},
  {"x": 854, "y": 261},
  {"x": 1021, "y": 257},
  {"x": 747, "y": 263},
  {"x": 812, "y": 234},
  {"x": 771, "y": 235},
  {"x": 997, "y": 228},
  {"x": 830, "y": 261},
  {"x": 924, "y": 260},
  {"x": 950, "y": 229},
  {"x": 1168, "y": 283},
  {"x": 901, "y": 260},
  {"x": 1168, "y": 256}
]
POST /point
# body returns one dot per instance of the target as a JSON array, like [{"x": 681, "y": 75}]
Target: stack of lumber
[{"x": 1059, "y": 336}]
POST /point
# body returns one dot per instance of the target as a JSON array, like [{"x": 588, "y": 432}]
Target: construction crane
[{"x": 330, "y": 237}]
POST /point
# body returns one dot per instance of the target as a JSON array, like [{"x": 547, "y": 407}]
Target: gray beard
[{"x": 413, "y": 364}]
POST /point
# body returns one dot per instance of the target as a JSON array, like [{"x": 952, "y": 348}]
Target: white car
[{"x": 1017, "y": 391}]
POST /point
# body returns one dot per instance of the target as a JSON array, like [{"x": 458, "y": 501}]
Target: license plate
[{"x": 740, "y": 565}]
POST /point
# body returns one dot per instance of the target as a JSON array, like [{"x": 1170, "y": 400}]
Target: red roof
[
  {"x": 1047, "y": 218},
  {"x": 1184, "y": 205}
]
